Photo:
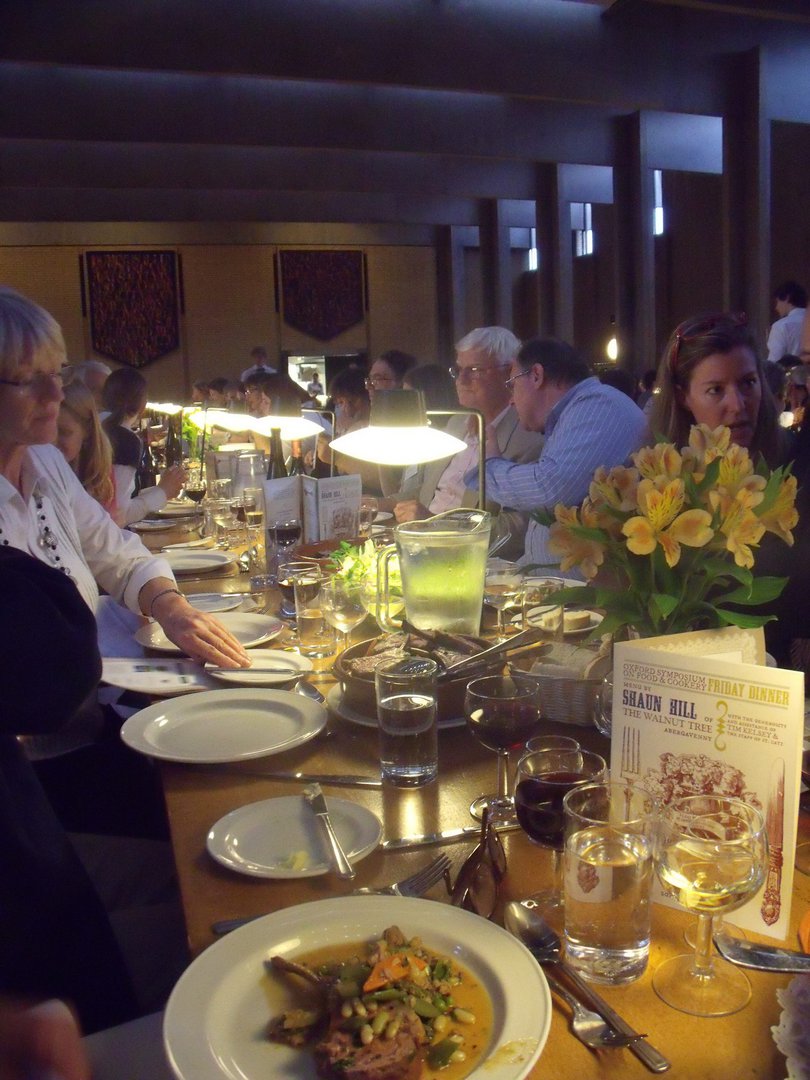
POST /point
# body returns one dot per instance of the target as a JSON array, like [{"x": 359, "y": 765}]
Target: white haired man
[{"x": 483, "y": 360}]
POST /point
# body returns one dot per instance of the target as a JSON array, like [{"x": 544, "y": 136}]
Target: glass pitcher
[{"x": 442, "y": 561}]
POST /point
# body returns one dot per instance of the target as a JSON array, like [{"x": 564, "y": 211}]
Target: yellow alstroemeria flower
[
  {"x": 705, "y": 444},
  {"x": 739, "y": 525},
  {"x": 616, "y": 488},
  {"x": 737, "y": 473},
  {"x": 663, "y": 523},
  {"x": 661, "y": 460},
  {"x": 783, "y": 516},
  {"x": 573, "y": 550}
]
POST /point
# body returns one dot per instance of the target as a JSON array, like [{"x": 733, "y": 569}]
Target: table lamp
[{"x": 398, "y": 433}]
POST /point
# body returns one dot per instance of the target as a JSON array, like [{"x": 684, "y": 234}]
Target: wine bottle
[
  {"x": 295, "y": 466},
  {"x": 146, "y": 473},
  {"x": 276, "y": 466},
  {"x": 174, "y": 448}
]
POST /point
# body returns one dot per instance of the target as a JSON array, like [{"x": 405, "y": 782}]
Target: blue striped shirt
[{"x": 591, "y": 425}]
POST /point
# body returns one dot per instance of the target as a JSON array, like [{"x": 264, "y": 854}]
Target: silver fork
[
  {"x": 415, "y": 885},
  {"x": 588, "y": 1026}
]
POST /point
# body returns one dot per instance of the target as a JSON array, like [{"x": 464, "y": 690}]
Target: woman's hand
[
  {"x": 198, "y": 634},
  {"x": 172, "y": 480}
]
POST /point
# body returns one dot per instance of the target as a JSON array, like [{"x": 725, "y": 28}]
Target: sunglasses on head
[{"x": 690, "y": 331}]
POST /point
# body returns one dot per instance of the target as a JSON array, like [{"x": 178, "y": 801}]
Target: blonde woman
[{"x": 86, "y": 448}]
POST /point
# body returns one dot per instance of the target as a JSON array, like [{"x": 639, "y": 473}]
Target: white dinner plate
[
  {"x": 191, "y": 561},
  {"x": 211, "y": 601},
  {"x": 258, "y": 674},
  {"x": 216, "y": 1018},
  {"x": 261, "y": 839},
  {"x": 224, "y": 725},
  {"x": 248, "y": 628},
  {"x": 541, "y": 616},
  {"x": 150, "y": 526},
  {"x": 334, "y": 700},
  {"x": 382, "y": 515},
  {"x": 159, "y": 678},
  {"x": 178, "y": 509}
]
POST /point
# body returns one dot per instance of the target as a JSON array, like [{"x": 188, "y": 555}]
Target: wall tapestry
[
  {"x": 133, "y": 304},
  {"x": 322, "y": 291}
]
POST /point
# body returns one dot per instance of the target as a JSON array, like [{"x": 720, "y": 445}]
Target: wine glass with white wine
[{"x": 712, "y": 854}]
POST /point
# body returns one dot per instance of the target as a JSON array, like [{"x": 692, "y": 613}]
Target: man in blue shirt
[{"x": 586, "y": 424}]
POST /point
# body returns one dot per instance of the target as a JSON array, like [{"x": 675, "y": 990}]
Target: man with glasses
[
  {"x": 483, "y": 360},
  {"x": 586, "y": 424}
]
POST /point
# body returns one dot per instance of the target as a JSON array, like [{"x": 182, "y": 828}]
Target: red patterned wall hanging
[
  {"x": 133, "y": 300},
  {"x": 322, "y": 291}
]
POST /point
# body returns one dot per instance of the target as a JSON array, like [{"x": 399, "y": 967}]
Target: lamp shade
[
  {"x": 291, "y": 427},
  {"x": 208, "y": 419},
  {"x": 398, "y": 433}
]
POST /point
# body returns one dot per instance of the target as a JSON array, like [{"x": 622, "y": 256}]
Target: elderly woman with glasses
[
  {"x": 45, "y": 511},
  {"x": 711, "y": 373}
]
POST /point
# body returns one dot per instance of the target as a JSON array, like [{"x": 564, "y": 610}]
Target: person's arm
[
  {"x": 40, "y": 1041},
  {"x": 198, "y": 634},
  {"x": 804, "y": 347},
  {"x": 590, "y": 431},
  {"x": 777, "y": 341},
  {"x": 151, "y": 499}
]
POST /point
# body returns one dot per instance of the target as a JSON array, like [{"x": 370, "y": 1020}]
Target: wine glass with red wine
[
  {"x": 543, "y": 779},
  {"x": 502, "y": 712}
]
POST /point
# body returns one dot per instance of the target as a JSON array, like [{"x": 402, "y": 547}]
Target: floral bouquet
[{"x": 669, "y": 544}]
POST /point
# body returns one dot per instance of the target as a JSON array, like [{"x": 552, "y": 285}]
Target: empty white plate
[
  {"x": 224, "y": 725},
  {"x": 269, "y": 667},
  {"x": 190, "y": 561},
  {"x": 264, "y": 838},
  {"x": 247, "y": 628},
  {"x": 211, "y": 601}
]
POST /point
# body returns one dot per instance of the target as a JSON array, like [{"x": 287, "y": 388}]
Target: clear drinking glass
[
  {"x": 503, "y": 589},
  {"x": 712, "y": 855},
  {"x": 502, "y": 712},
  {"x": 342, "y": 605}
]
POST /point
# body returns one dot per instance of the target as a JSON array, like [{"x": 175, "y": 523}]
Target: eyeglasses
[
  {"x": 699, "y": 328},
  {"x": 41, "y": 382},
  {"x": 379, "y": 380},
  {"x": 511, "y": 382},
  {"x": 474, "y": 371},
  {"x": 478, "y": 880}
]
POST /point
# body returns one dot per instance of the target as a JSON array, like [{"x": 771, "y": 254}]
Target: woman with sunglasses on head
[
  {"x": 87, "y": 449},
  {"x": 711, "y": 373}
]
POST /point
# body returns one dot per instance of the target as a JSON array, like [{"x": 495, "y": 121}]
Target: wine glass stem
[
  {"x": 499, "y": 623},
  {"x": 703, "y": 946},
  {"x": 503, "y": 775}
]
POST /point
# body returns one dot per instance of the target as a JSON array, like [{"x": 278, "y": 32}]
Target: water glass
[
  {"x": 368, "y": 511},
  {"x": 315, "y": 636},
  {"x": 608, "y": 870},
  {"x": 406, "y": 715}
]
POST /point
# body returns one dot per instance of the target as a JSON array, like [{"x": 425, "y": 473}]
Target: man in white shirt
[
  {"x": 790, "y": 301},
  {"x": 483, "y": 359}
]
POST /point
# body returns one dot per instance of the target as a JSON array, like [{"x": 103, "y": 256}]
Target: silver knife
[
  {"x": 761, "y": 957},
  {"x": 314, "y": 796},
  {"x": 334, "y": 779},
  {"x": 448, "y": 836}
]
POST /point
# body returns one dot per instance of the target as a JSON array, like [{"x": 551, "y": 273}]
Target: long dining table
[{"x": 727, "y": 1048}]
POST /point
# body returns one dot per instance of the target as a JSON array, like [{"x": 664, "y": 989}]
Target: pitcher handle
[{"x": 383, "y": 560}]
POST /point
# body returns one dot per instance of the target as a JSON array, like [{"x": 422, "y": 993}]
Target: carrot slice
[{"x": 388, "y": 970}]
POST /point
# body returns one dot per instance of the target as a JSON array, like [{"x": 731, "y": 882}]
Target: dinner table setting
[{"x": 298, "y": 822}]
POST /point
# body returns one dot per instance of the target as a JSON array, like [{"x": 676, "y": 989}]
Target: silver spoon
[
  {"x": 306, "y": 689},
  {"x": 526, "y": 923}
]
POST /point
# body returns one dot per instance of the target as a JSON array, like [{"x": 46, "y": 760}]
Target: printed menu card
[{"x": 701, "y": 713}]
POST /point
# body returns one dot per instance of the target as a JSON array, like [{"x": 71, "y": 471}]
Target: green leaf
[
  {"x": 761, "y": 591},
  {"x": 663, "y": 603},
  {"x": 743, "y": 619},
  {"x": 543, "y": 516}
]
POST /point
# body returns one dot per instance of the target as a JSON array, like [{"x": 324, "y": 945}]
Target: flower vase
[{"x": 602, "y": 669}]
